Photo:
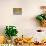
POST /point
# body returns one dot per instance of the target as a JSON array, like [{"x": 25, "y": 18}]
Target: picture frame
[{"x": 17, "y": 11}]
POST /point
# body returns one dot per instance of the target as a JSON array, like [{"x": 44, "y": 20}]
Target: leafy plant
[
  {"x": 11, "y": 31},
  {"x": 41, "y": 17}
]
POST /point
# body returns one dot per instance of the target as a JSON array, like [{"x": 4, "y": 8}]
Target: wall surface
[{"x": 25, "y": 23}]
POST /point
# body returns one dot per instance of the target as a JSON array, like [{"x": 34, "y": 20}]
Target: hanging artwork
[{"x": 17, "y": 11}]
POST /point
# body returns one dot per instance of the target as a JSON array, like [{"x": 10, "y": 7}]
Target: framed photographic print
[{"x": 17, "y": 11}]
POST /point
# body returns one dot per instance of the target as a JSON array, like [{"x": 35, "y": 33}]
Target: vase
[
  {"x": 9, "y": 41},
  {"x": 13, "y": 38}
]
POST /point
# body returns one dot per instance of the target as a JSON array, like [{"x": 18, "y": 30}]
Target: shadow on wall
[{"x": 2, "y": 29}]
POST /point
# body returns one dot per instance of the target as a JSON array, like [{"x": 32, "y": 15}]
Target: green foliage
[
  {"x": 45, "y": 17},
  {"x": 41, "y": 17},
  {"x": 11, "y": 31}
]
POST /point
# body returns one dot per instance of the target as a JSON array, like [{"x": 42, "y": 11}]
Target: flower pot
[{"x": 43, "y": 23}]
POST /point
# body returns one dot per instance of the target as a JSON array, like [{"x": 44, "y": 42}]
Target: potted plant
[
  {"x": 10, "y": 31},
  {"x": 42, "y": 17}
]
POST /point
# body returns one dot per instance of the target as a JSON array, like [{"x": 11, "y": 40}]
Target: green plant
[
  {"x": 11, "y": 31},
  {"x": 41, "y": 17}
]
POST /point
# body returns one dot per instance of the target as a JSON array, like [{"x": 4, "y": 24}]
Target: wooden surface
[{"x": 30, "y": 45}]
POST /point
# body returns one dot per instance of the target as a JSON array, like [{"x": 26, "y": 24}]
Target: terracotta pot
[{"x": 43, "y": 23}]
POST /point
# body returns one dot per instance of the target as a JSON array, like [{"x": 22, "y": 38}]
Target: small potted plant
[
  {"x": 42, "y": 17},
  {"x": 10, "y": 31}
]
